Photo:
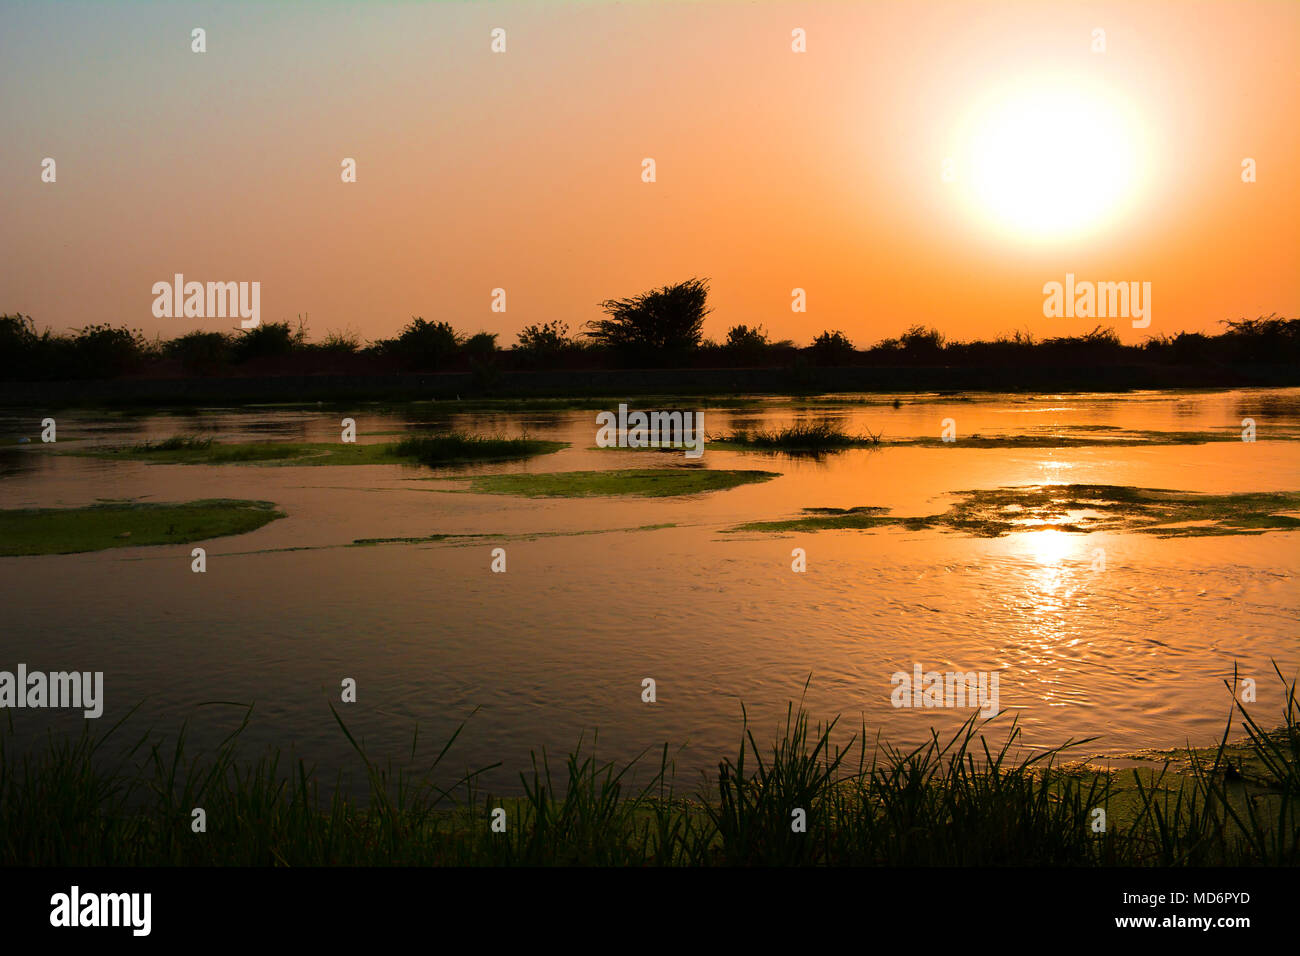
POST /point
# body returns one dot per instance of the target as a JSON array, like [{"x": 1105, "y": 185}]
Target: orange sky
[{"x": 522, "y": 170}]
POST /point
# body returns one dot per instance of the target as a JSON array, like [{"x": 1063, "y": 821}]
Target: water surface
[{"x": 558, "y": 646}]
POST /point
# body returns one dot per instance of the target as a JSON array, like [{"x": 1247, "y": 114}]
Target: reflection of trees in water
[
  {"x": 21, "y": 461},
  {"x": 1271, "y": 406}
]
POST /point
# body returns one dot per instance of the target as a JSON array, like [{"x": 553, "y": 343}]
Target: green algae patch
[
  {"x": 1082, "y": 436},
  {"x": 1244, "y": 760},
  {"x": 99, "y": 527},
  {"x": 1253, "y": 779},
  {"x": 992, "y": 513},
  {"x": 191, "y": 450},
  {"x": 1123, "y": 508},
  {"x": 433, "y": 450},
  {"x": 829, "y": 519},
  {"x": 520, "y": 536},
  {"x": 451, "y": 539},
  {"x": 641, "y": 482},
  {"x": 413, "y": 539},
  {"x": 823, "y": 438}
]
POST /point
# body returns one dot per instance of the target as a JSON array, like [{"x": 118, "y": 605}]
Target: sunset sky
[{"x": 775, "y": 169}]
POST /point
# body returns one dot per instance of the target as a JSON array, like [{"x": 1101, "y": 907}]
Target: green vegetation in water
[
  {"x": 1125, "y": 508},
  {"x": 820, "y": 438},
  {"x": 445, "y": 449},
  {"x": 809, "y": 438},
  {"x": 455, "y": 447},
  {"x": 190, "y": 443},
  {"x": 520, "y": 536},
  {"x": 643, "y": 482},
  {"x": 452, "y": 538},
  {"x": 956, "y": 801},
  {"x": 830, "y": 519},
  {"x": 1078, "y": 508},
  {"x": 124, "y": 525},
  {"x": 553, "y": 403},
  {"x": 1067, "y": 437}
]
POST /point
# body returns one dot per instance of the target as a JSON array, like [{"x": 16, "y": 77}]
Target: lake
[{"x": 601, "y": 593}]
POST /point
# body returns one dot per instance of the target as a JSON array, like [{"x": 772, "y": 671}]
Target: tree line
[{"x": 663, "y": 327}]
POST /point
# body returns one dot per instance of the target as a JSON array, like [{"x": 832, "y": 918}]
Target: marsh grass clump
[
  {"x": 641, "y": 482},
  {"x": 801, "y": 437},
  {"x": 433, "y": 450},
  {"x": 175, "y": 443},
  {"x": 954, "y": 800},
  {"x": 1158, "y": 511},
  {"x": 196, "y": 450},
  {"x": 1080, "y": 509},
  {"x": 1084, "y": 436},
  {"x": 457, "y": 447}
]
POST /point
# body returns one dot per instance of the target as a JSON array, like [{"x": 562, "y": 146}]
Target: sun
[{"x": 1054, "y": 160}]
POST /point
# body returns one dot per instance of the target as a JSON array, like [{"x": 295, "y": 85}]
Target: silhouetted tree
[
  {"x": 663, "y": 320},
  {"x": 745, "y": 338},
  {"x": 424, "y": 345},
  {"x": 831, "y": 348},
  {"x": 481, "y": 345},
  {"x": 1267, "y": 339},
  {"x": 546, "y": 338},
  {"x": 200, "y": 352},
  {"x": 920, "y": 339},
  {"x": 21, "y": 349},
  {"x": 268, "y": 340},
  {"x": 103, "y": 350}
]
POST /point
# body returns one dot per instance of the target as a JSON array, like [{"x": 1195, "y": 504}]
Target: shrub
[
  {"x": 268, "y": 340},
  {"x": 101, "y": 351},
  {"x": 920, "y": 339},
  {"x": 1098, "y": 340},
  {"x": 1266, "y": 339},
  {"x": 19, "y": 344},
  {"x": 200, "y": 352},
  {"x": 347, "y": 342},
  {"x": 743, "y": 338},
  {"x": 17, "y": 332},
  {"x": 669, "y": 319},
  {"x": 481, "y": 345},
  {"x": 424, "y": 345},
  {"x": 549, "y": 338},
  {"x": 832, "y": 347},
  {"x": 1020, "y": 337}
]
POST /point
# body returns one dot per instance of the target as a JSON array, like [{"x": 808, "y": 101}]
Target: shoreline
[{"x": 625, "y": 382}]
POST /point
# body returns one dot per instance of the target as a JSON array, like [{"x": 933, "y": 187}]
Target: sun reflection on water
[{"x": 1050, "y": 547}]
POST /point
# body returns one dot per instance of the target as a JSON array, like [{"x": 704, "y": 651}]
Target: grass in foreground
[
  {"x": 1077, "y": 508},
  {"x": 949, "y": 802},
  {"x": 125, "y": 525},
  {"x": 642, "y": 482},
  {"x": 445, "y": 449}
]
